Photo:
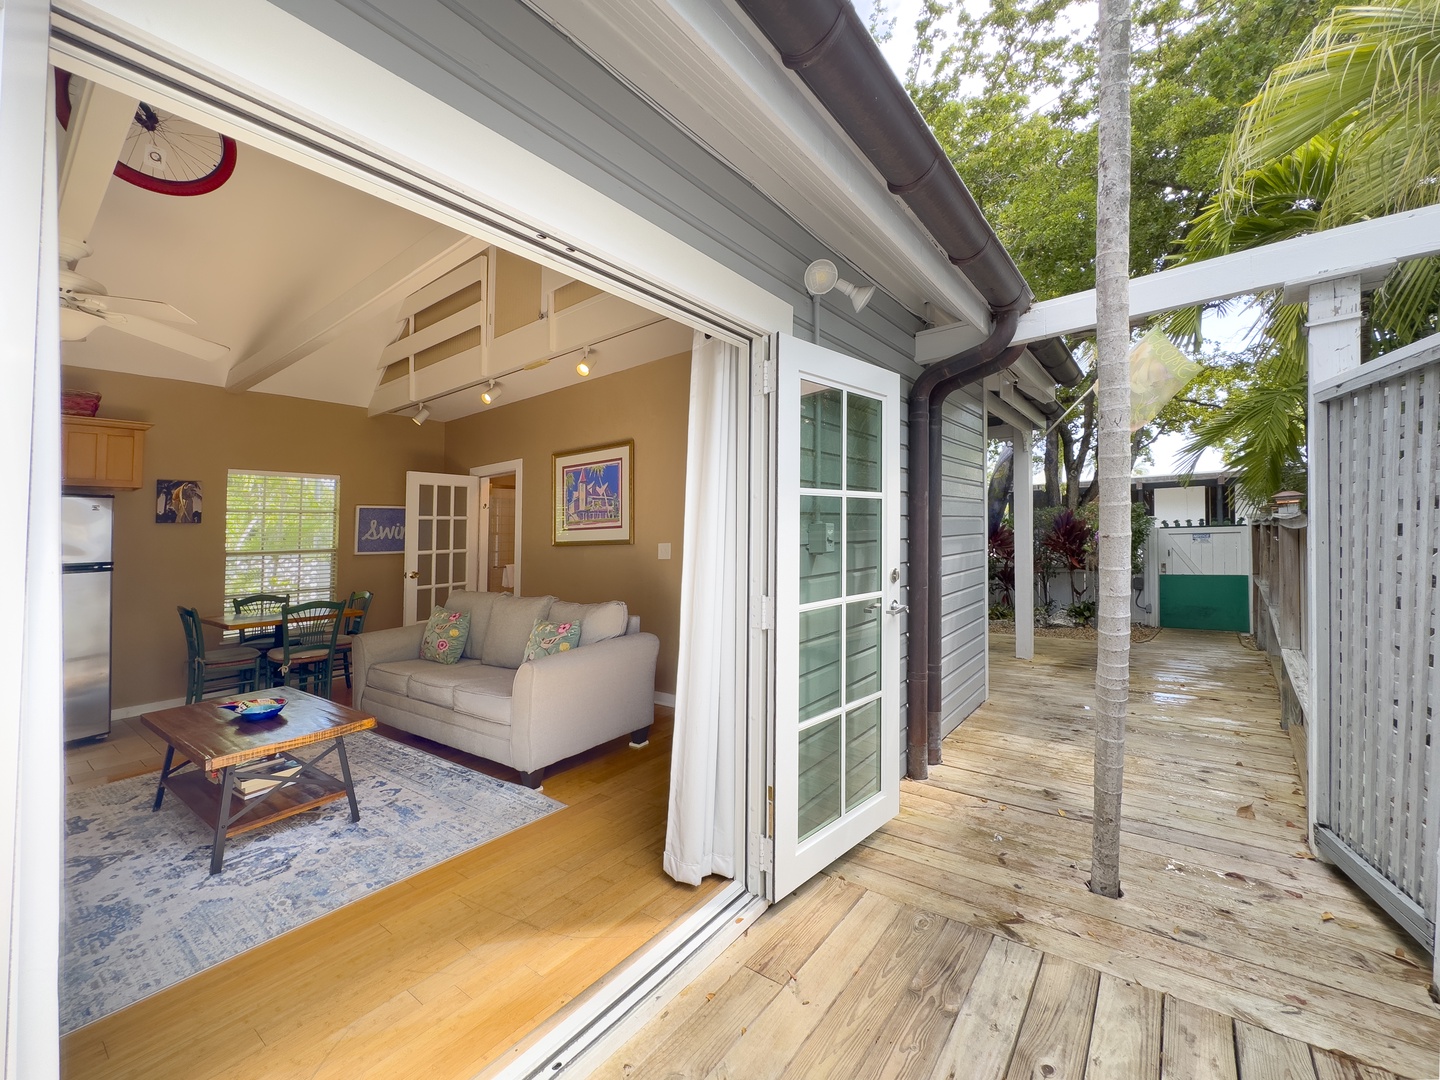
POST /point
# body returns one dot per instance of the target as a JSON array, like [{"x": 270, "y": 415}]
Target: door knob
[
  {"x": 413, "y": 574},
  {"x": 897, "y": 608}
]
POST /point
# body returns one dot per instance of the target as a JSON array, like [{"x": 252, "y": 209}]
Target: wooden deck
[{"x": 960, "y": 940}]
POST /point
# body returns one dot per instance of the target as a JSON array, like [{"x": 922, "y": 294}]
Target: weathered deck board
[{"x": 1232, "y": 954}]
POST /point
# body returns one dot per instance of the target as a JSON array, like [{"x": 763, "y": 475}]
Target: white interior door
[
  {"x": 442, "y": 530},
  {"x": 838, "y": 607}
]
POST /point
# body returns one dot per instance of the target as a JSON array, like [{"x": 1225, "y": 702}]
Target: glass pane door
[
  {"x": 442, "y": 516},
  {"x": 838, "y": 753}
]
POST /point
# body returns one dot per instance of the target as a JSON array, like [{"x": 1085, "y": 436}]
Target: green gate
[{"x": 1205, "y": 578}]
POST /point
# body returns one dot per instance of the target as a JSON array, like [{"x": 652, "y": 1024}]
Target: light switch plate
[{"x": 664, "y": 551}]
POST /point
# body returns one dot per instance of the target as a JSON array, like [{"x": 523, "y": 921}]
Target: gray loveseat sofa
[{"x": 493, "y": 703}]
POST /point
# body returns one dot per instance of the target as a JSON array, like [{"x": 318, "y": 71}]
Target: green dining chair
[
  {"x": 354, "y": 624},
  {"x": 260, "y": 604},
  {"x": 305, "y": 657},
  {"x": 235, "y": 667}
]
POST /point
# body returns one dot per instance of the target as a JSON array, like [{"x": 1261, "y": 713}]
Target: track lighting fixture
[
  {"x": 583, "y": 367},
  {"x": 491, "y": 393},
  {"x": 421, "y": 414},
  {"x": 821, "y": 276}
]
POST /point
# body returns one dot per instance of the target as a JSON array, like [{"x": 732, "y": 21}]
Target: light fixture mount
[{"x": 822, "y": 275}]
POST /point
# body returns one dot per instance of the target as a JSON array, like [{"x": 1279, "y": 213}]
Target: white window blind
[{"x": 280, "y": 535}]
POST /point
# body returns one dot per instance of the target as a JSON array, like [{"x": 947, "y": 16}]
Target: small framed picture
[
  {"x": 177, "y": 502},
  {"x": 379, "y": 530},
  {"x": 593, "y": 495}
]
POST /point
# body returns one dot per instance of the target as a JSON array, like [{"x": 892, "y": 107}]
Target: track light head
[
  {"x": 583, "y": 367},
  {"x": 491, "y": 393},
  {"x": 421, "y": 414}
]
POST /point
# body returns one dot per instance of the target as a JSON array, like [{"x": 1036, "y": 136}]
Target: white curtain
[{"x": 700, "y": 835}]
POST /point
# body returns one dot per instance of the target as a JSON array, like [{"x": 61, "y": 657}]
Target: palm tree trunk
[{"x": 1112, "y": 310}]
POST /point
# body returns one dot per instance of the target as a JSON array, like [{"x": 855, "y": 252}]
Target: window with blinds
[{"x": 280, "y": 535}]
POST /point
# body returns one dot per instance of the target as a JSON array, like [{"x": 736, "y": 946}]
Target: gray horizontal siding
[
  {"x": 502, "y": 64},
  {"x": 963, "y": 565}
]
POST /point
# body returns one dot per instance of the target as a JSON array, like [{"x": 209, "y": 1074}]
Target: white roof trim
[{"x": 707, "y": 66}]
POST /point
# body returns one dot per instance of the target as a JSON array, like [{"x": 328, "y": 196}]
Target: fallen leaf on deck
[
  {"x": 1303, "y": 855},
  {"x": 1291, "y": 825},
  {"x": 1400, "y": 955},
  {"x": 1233, "y": 876},
  {"x": 1061, "y": 813},
  {"x": 710, "y": 997},
  {"x": 1327, "y": 916},
  {"x": 1240, "y": 763},
  {"x": 1247, "y": 812}
]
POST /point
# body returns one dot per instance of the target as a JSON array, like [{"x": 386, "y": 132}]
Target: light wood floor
[
  {"x": 961, "y": 940},
  {"x": 432, "y": 977}
]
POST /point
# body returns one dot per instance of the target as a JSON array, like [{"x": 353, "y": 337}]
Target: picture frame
[
  {"x": 178, "y": 502},
  {"x": 593, "y": 495},
  {"x": 379, "y": 530}
]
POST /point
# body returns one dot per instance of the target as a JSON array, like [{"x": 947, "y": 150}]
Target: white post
[
  {"x": 1333, "y": 339},
  {"x": 1024, "y": 502}
]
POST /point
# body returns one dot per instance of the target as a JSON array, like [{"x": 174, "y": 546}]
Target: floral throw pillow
[
  {"x": 445, "y": 636},
  {"x": 549, "y": 638}
]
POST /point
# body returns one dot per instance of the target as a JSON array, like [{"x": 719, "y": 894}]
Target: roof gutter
[{"x": 827, "y": 45}]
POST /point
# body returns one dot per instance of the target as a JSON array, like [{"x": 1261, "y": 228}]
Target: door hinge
[
  {"x": 762, "y": 614},
  {"x": 767, "y": 853},
  {"x": 765, "y": 377}
]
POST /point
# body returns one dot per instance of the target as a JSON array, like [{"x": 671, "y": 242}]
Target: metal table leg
[
  {"x": 164, "y": 772},
  {"x": 217, "y": 850},
  {"x": 349, "y": 783}
]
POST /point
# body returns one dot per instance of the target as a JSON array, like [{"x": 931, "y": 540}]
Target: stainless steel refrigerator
[{"x": 85, "y": 529}]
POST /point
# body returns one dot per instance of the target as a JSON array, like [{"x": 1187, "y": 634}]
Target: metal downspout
[{"x": 921, "y": 660}]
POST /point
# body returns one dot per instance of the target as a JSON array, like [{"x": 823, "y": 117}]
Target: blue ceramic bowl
[{"x": 255, "y": 708}]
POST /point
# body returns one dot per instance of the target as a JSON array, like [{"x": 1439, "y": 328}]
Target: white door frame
[{"x": 500, "y": 468}]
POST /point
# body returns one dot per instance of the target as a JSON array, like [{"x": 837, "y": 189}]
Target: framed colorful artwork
[
  {"x": 593, "y": 495},
  {"x": 177, "y": 502},
  {"x": 379, "y": 530}
]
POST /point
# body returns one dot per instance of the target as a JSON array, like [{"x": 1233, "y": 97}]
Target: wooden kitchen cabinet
[{"x": 99, "y": 454}]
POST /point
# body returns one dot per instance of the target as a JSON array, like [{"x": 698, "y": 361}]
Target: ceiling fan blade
[
  {"x": 149, "y": 309},
  {"x": 168, "y": 336},
  {"x": 75, "y": 324}
]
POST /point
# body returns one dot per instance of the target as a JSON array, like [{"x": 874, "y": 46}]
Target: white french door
[
  {"x": 838, "y": 607},
  {"x": 442, "y": 529}
]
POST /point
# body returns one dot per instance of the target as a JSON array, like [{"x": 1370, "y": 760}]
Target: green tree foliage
[
  {"x": 1347, "y": 130},
  {"x": 1010, "y": 90}
]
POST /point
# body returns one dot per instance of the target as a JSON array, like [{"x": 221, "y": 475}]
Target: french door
[
  {"x": 838, "y": 607},
  {"x": 442, "y": 528}
]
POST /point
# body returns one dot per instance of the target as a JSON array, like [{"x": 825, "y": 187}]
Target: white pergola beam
[
  {"x": 436, "y": 253},
  {"x": 1335, "y": 253},
  {"x": 1013, "y": 413}
]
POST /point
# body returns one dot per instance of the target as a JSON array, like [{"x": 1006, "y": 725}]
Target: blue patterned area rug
[{"x": 142, "y": 911}]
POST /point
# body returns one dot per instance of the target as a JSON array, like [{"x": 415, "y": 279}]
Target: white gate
[{"x": 1377, "y": 684}]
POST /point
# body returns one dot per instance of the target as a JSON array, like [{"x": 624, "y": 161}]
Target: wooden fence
[
  {"x": 1373, "y": 740},
  {"x": 1280, "y": 615}
]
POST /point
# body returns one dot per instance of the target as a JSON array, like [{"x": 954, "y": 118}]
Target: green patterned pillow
[
  {"x": 445, "y": 636},
  {"x": 549, "y": 638}
]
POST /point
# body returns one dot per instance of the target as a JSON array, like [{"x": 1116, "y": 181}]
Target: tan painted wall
[
  {"x": 649, "y": 404},
  {"x": 201, "y": 432}
]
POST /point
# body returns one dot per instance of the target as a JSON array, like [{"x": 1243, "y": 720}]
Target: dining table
[{"x": 260, "y": 620}]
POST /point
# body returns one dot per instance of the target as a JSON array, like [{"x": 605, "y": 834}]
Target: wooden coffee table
[{"x": 213, "y": 743}]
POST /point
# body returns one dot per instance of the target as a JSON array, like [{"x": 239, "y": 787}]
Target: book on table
[{"x": 262, "y": 776}]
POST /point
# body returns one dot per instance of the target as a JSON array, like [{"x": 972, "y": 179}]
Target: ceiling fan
[{"x": 99, "y": 120}]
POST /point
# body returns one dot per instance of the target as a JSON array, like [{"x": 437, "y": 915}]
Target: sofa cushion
[
  {"x": 548, "y": 638},
  {"x": 487, "y": 695},
  {"x": 445, "y": 636},
  {"x": 437, "y": 683},
  {"x": 511, "y": 620},
  {"x": 477, "y": 605},
  {"x": 598, "y": 622},
  {"x": 394, "y": 675}
]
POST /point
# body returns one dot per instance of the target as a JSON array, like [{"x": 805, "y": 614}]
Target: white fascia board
[
  {"x": 271, "y": 57},
  {"x": 709, "y": 68},
  {"x": 1348, "y": 250}
]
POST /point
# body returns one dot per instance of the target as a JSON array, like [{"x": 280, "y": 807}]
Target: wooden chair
[
  {"x": 305, "y": 657},
  {"x": 234, "y": 667},
  {"x": 354, "y": 624},
  {"x": 260, "y": 604}
]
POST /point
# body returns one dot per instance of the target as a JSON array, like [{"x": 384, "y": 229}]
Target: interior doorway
[{"x": 501, "y": 492}]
